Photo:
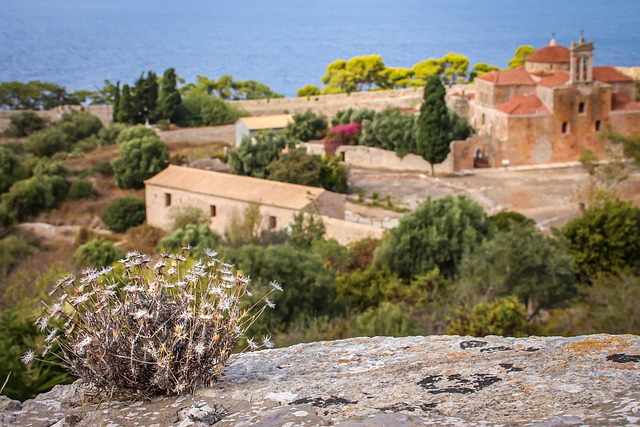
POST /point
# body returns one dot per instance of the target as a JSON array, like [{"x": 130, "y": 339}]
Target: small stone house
[
  {"x": 224, "y": 197},
  {"x": 248, "y": 126}
]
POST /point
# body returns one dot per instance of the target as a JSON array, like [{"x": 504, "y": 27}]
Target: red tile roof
[
  {"x": 523, "y": 105},
  {"x": 621, "y": 102},
  {"x": 516, "y": 76},
  {"x": 556, "y": 79},
  {"x": 554, "y": 54},
  {"x": 610, "y": 75}
]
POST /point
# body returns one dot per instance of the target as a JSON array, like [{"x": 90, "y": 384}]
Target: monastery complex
[{"x": 547, "y": 110}]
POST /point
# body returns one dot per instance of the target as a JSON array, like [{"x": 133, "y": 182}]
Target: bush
[
  {"x": 28, "y": 197},
  {"x": 81, "y": 189},
  {"x": 140, "y": 159},
  {"x": 182, "y": 216},
  {"x": 108, "y": 135},
  {"x": 47, "y": 142},
  {"x": 385, "y": 320},
  {"x": 23, "y": 124},
  {"x": 10, "y": 169},
  {"x": 196, "y": 237},
  {"x": 123, "y": 213},
  {"x": 135, "y": 132},
  {"x": 504, "y": 317},
  {"x": 103, "y": 168},
  {"x": 97, "y": 253},
  {"x": 307, "y": 126},
  {"x": 199, "y": 109},
  {"x": 13, "y": 248},
  {"x": 25, "y": 382},
  {"x": 150, "y": 331},
  {"x": 79, "y": 125}
]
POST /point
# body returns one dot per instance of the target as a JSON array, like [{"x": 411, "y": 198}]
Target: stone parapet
[{"x": 435, "y": 380}]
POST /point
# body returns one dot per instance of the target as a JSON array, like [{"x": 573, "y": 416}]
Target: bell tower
[{"x": 581, "y": 66}]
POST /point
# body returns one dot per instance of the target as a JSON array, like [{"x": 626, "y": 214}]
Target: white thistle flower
[
  {"x": 215, "y": 290},
  {"x": 210, "y": 253},
  {"x": 199, "y": 349},
  {"x": 276, "y": 285},
  {"x": 81, "y": 299},
  {"x": 266, "y": 342},
  {"x": 79, "y": 347},
  {"x": 52, "y": 336},
  {"x": 252, "y": 344},
  {"x": 269, "y": 303},
  {"x": 42, "y": 323},
  {"x": 45, "y": 350},
  {"x": 142, "y": 313},
  {"x": 132, "y": 288},
  {"x": 28, "y": 356},
  {"x": 171, "y": 271}
]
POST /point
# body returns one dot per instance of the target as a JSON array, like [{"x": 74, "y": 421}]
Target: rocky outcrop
[{"x": 437, "y": 380}]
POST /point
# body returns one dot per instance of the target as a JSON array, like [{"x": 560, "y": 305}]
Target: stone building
[
  {"x": 248, "y": 126},
  {"x": 225, "y": 197},
  {"x": 547, "y": 110}
]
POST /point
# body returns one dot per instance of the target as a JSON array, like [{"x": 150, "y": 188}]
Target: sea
[{"x": 288, "y": 43}]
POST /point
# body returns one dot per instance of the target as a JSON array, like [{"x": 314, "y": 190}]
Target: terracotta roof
[
  {"x": 523, "y": 105},
  {"x": 516, "y": 76},
  {"x": 622, "y": 102},
  {"x": 267, "y": 122},
  {"x": 236, "y": 187},
  {"x": 556, "y": 79},
  {"x": 610, "y": 75},
  {"x": 554, "y": 54}
]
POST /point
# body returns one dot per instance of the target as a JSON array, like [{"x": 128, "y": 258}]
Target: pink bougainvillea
[{"x": 342, "y": 135}]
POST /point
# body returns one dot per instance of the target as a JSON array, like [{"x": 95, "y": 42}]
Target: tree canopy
[
  {"x": 140, "y": 159},
  {"x": 520, "y": 55},
  {"x": 437, "y": 234}
]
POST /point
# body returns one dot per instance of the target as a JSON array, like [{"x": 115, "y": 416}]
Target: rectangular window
[
  {"x": 565, "y": 127},
  {"x": 212, "y": 211},
  {"x": 581, "y": 108},
  {"x": 598, "y": 125},
  {"x": 167, "y": 199},
  {"x": 273, "y": 223}
]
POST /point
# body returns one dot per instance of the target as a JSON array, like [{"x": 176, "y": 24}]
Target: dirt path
[{"x": 550, "y": 196}]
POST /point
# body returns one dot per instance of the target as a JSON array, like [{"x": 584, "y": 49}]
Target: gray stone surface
[{"x": 437, "y": 380}]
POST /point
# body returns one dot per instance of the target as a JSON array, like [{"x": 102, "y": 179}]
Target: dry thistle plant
[{"x": 161, "y": 328}]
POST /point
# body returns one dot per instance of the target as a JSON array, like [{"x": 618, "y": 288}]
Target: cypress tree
[
  {"x": 434, "y": 124},
  {"x": 151, "y": 89},
  {"x": 126, "y": 113},
  {"x": 116, "y": 102},
  {"x": 169, "y": 99}
]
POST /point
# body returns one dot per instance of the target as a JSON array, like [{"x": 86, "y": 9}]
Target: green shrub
[
  {"x": 385, "y": 320},
  {"x": 81, "y": 189},
  {"x": 307, "y": 126},
  {"x": 12, "y": 249},
  {"x": 97, "y": 253},
  {"x": 135, "y": 132},
  {"x": 108, "y": 135},
  {"x": 10, "y": 169},
  {"x": 199, "y": 109},
  {"x": 79, "y": 125},
  {"x": 29, "y": 197},
  {"x": 124, "y": 213},
  {"x": 186, "y": 321},
  {"x": 103, "y": 168},
  {"x": 198, "y": 237},
  {"x": 182, "y": 216},
  {"x": 26, "y": 382},
  {"x": 140, "y": 159},
  {"x": 23, "y": 124},
  {"x": 47, "y": 142},
  {"x": 504, "y": 316}
]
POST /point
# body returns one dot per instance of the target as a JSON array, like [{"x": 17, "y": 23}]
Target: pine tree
[
  {"x": 169, "y": 99},
  {"x": 434, "y": 124}
]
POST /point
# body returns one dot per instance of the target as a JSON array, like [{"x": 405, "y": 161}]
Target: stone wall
[
  {"x": 437, "y": 380},
  {"x": 103, "y": 112}
]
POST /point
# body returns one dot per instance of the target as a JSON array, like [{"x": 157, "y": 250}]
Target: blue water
[{"x": 288, "y": 43}]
